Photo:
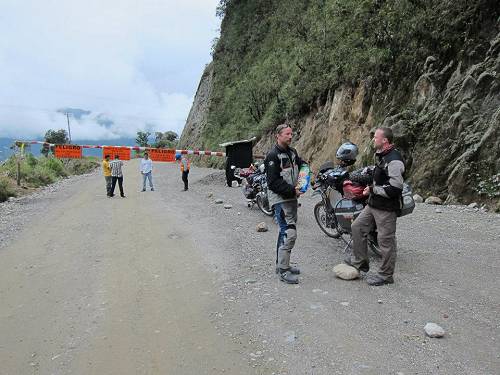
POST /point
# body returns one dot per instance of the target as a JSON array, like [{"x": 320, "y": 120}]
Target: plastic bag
[{"x": 304, "y": 179}]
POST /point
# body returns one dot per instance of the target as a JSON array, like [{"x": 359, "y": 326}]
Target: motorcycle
[
  {"x": 342, "y": 200},
  {"x": 254, "y": 183}
]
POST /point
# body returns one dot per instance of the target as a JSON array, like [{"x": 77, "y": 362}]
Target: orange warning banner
[
  {"x": 161, "y": 154},
  {"x": 122, "y": 152},
  {"x": 68, "y": 151}
]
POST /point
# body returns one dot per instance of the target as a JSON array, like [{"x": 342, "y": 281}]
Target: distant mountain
[
  {"x": 75, "y": 112},
  {"x": 5, "y": 150}
]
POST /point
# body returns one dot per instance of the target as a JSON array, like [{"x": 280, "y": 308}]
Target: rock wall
[
  {"x": 448, "y": 131},
  {"x": 197, "y": 119},
  {"x": 447, "y": 127}
]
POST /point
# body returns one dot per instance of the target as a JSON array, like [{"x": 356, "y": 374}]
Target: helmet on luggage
[{"x": 347, "y": 152}]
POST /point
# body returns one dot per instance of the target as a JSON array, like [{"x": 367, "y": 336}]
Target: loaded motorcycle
[
  {"x": 342, "y": 198},
  {"x": 254, "y": 184},
  {"x": 341, "y": 195}
]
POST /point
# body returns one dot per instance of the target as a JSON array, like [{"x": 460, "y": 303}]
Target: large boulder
[
  {"x": 262, "y": 227},
  {"x": 433, "y": 330},
  {"x": 433, "y": 200},
  {"x": 418, "y": 199},
  {"x": 345, "y": 272}
]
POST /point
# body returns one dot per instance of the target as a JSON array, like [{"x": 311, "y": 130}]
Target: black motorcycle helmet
[{"x": 347, "y": 153}]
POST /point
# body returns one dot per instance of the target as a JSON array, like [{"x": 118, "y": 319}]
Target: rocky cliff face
[
  {"x": 197, "y": 119},
  {"x": 447, "y": 128},
  {"x": 454, "y": 127}
]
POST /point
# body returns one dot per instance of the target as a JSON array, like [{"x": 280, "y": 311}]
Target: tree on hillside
[
  {"x": 168, "y": 139},
  {"x": 58, "y": 137},
  {"x": 142, "y": 138}
]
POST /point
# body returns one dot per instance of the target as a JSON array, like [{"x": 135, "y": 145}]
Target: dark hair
[
  {"x": 388, "y": 134},
  {"x": 146, "y": 153},
  {"x": 281, "y": 127},
  {"x": 117, "y": 156},
  {"x": 106, "y": 156}
]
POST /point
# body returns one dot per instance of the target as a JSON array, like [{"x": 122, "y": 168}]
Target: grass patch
[
  {"x": 6, "y": 189},
  {"x": 82, "y": 166},
  {"x": 41, "y": 171}
]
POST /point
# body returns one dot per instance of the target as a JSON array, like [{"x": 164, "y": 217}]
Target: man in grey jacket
[
  {"x": 384, "y": 203},
  {"x": 282, "y": 171}
]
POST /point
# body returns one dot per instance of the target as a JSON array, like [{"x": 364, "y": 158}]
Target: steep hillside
[{"x": 336, "y": 69}]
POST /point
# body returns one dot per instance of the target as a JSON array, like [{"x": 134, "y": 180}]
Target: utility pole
[{"x": 69, "y": 129}]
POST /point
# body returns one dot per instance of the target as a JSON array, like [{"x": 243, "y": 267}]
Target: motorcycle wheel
[
  {"x": 263, "y": 204},
  {"x": 320, "y": 216}
]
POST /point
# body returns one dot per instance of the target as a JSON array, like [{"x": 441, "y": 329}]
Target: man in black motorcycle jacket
[
  {"x": 282, "y": 170},
  {"x": 384, "y": 203}
]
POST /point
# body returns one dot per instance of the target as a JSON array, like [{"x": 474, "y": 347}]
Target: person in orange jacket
[
  {"x": 185, "y": 166},
  {"x": 106, "y": 169}
]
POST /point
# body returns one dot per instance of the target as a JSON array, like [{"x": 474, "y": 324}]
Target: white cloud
[{"x": 136, "y": 62}]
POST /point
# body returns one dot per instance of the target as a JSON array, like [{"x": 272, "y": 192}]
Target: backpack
[{"x": 407, "y": 202}]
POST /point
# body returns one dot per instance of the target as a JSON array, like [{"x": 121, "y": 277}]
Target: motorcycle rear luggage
[
  {"x": 346, "y": 210},
  {"x": 353, "y": 190}
]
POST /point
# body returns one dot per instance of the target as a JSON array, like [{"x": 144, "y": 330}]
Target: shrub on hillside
[
  {"x": 40, "y": 176},
  {"x": 31, "y": 160},
  {"x": 82, "y": 166},
  {"x": 9, "y": 168},
  {"x": 54, "y": 165},
  {"x": 5, "y": 189}
]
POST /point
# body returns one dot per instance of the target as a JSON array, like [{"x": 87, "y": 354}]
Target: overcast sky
[{"x": 134, "y": 64}]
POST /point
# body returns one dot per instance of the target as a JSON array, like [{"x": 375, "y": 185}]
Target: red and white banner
[
  {"x": 68, "y": 151},
  {"x": 124, "y": 151}
]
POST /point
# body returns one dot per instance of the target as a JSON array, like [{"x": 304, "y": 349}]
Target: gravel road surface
[{"x": 168, "y": 282}]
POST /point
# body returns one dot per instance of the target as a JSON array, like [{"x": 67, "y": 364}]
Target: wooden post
[{"x": 18, "y": 171}]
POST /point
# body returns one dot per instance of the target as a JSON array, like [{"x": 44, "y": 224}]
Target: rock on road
[{"x": 168, "y": 282}]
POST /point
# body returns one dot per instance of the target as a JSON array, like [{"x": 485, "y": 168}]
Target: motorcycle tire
[
  {"x": 320, "y": 216},
  {"x": 263, "y": 204}
]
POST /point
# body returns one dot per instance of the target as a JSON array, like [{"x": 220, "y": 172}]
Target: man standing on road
[
  {"x": 147, "y": 171},
  {"x": 384, "y": 203},
  {"x": 106, "y": 170},
  {"x": 282, "y": 169},
  {"x": 185, "y": 166},
  {"x": 116, "y": 175}
]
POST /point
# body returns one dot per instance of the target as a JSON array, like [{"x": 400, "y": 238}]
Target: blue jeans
[
  {"x": 148, "y": 176},
  {"x": 280, "y": 219}
]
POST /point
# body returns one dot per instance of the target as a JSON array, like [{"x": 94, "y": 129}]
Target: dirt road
[
  {"x": 110, "y": 286},
  {"x": 168, "y": 282}
]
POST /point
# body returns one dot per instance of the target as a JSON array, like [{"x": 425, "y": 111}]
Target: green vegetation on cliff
[{"x": 276, "y": 59}]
